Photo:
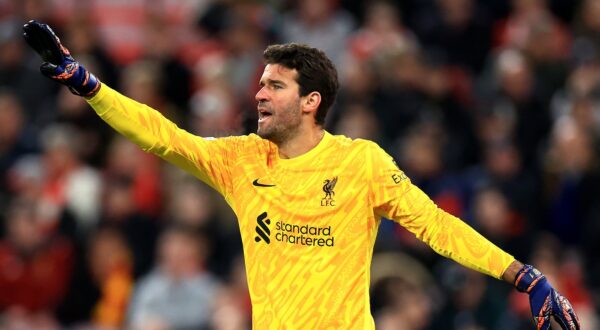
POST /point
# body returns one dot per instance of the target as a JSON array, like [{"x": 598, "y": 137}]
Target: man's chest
[{"x": 299, "y": 211}]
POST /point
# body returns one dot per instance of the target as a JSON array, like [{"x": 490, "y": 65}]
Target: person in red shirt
[{"x": 35, "y": 264}]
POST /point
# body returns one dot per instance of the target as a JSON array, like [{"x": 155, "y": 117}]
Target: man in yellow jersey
[{"x": 308, "y": 203}]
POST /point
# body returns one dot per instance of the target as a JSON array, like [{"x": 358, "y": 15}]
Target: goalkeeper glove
[
  {"x": 58, "y": 63},
  {"x": 545, "y": 301}
]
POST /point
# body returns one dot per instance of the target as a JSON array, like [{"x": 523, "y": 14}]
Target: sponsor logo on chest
[{"x": 291, "y": 233}]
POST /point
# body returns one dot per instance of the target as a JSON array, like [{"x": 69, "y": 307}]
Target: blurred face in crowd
[
  {"x": 180, "y": 254},
  {"x": 515, "y": 75},
  {"x": 358, "y": 123},
  {"x": 108, "y": 251},
  {"x": 279, "y": 110},
  {"x": 123, "y": 157},
  {"x": 573, "y": 146},
  {"x": 315, "y": 11},
  {"x": 118, "y": 202},
  {"x": 11, "y": 120},
  {"x": 142, "y": 81},
  {"x": 456, "y": 12},
  {"x": 421, "y": 154},
  {"x": 191, "y": 204},
  {"x": 492, "y": 212},
  {"x": 590, "y": 14},
  {"x": 11, "y": 52},
  {"x": 23, "y": 229},
  {"x": 503, "y": 160},
  {"x": 60, "y": 143},
  {"x": 382, "y": 17},
  {"x": 409, "y": 307},
  {"x": 527, "y": 5}
]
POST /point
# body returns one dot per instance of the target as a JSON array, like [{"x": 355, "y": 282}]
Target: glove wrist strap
[
  {"x": 88, "y": 86},
  {"x": 527, "y": 278}
]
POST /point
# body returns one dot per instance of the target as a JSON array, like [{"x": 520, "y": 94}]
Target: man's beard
[{"x": 284, "y": 127}]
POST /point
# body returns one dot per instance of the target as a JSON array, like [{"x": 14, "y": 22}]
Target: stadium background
[{"x": 491, "y": 107}]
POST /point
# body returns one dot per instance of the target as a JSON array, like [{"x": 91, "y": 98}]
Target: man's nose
[{"x": 261, "y": 95}]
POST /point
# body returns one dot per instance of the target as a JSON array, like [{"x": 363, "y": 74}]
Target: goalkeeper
[{"x": 308, "y": 203}]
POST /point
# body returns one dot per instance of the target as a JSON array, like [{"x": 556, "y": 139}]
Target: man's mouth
[{"x": 263, "y": 114}]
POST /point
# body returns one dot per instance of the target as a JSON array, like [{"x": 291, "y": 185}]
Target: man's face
[{"x": 279, "y": 113}]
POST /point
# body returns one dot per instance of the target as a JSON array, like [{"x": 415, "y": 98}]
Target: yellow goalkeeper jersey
[{"x": 308, "y": 224}]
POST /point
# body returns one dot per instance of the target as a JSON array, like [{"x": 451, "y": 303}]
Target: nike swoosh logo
[{"x": 258, "y": 184}]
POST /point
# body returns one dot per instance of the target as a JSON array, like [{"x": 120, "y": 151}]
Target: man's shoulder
[
  {"x": 345, "y": 142},
  {"x": 362, "y": 149}
]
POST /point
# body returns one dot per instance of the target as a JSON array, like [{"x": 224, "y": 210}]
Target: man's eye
[{"x": 277, "y": 87}]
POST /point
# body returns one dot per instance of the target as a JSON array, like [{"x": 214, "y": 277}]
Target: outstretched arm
[
  {"x": 395, "y": 197},
  {"x": 207, "y": 159}
]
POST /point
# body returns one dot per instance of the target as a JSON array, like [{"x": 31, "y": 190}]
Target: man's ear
[{"x": 311, "y": 102}]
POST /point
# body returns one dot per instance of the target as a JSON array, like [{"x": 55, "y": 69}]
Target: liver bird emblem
[{"x": 328, "y": 186}]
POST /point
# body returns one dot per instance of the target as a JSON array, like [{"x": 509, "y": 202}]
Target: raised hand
[{"x": 58, "y": 63}]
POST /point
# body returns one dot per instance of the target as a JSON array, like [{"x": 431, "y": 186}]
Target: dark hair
[{"x": 316, "y": 72}]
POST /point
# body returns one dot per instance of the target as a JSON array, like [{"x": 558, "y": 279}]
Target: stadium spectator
[
  {"x": 233, "y": 310},
  {"x": 322, "y": 24},
  {"x": 572, "y": 189},
  {"x": 120, "y": 212},
  {"x": 70, "y": 187},
  {"x": 398, "y": 281},
  {"x": 457, "y": 33},
  {"x": 15, "y": 138},
  {"x": 35, "y": 266},
  {"x": 110, "y": 261},
  {"x": 17, "y": 74},
  {"x": 126, "y": 163},
  {"x": 179, "y": 294}
]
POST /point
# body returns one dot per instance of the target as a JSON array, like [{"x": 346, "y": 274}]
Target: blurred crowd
[{"x": 491, "y": 107}]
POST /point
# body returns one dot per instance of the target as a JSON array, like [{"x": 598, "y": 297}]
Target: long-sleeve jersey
[{"x": 308, "y": 224}]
